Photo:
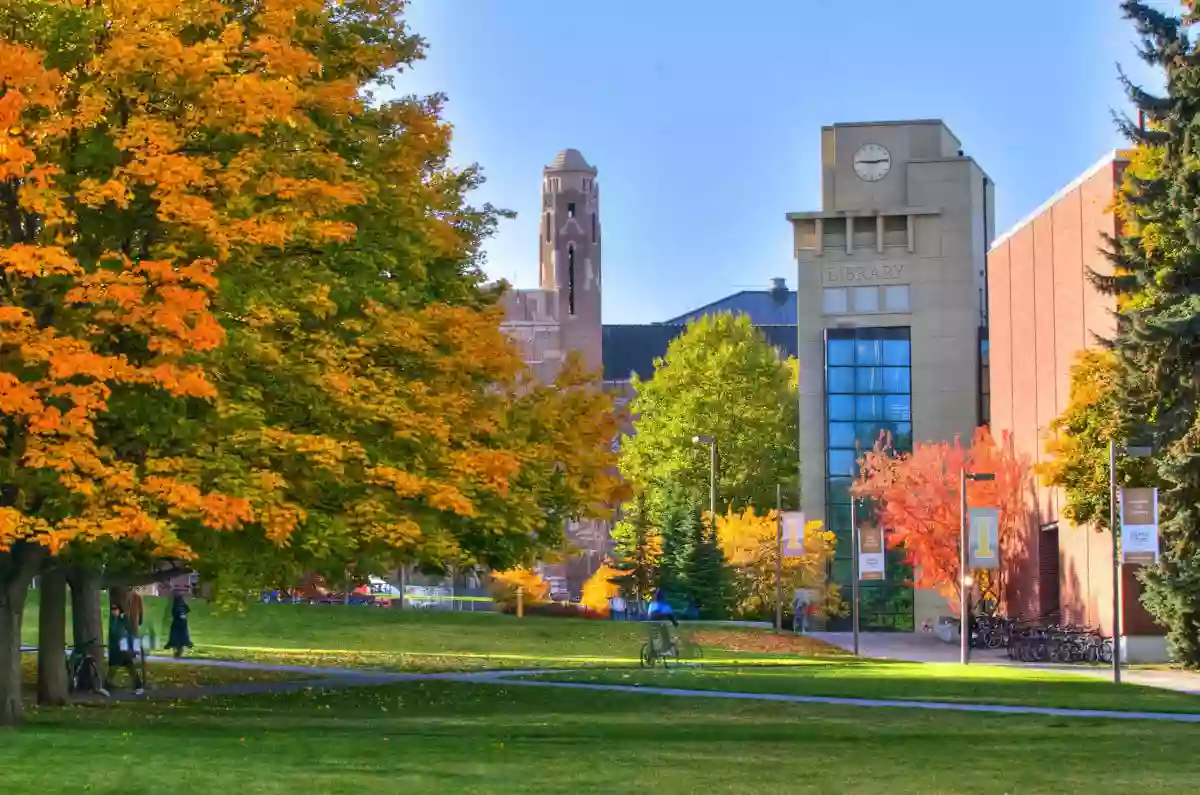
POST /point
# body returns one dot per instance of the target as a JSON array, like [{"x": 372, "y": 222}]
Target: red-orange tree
[{"x": 917, "y": 500}]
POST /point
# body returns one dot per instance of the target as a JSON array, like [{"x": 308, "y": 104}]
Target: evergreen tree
[
  {"x": 1157, "y": 283},
  {"x": 672, "y": 520},
  {"x": 702, "y": 576},
  {"x": 638, "y": 549}
]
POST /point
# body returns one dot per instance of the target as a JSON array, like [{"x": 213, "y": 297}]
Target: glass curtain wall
[{"x": 868, "y": 388}]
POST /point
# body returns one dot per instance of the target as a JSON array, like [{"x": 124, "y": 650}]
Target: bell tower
[{"x": 570, "y": 251}]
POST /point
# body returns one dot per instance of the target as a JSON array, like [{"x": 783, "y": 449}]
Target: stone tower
[{"x": 570, "y": 251}]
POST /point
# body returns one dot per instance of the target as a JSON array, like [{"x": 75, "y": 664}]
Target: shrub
[{"x": 505, "y": 584}]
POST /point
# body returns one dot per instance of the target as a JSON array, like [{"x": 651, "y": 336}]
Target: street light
[
  {"x": 965, "y": 579},
  {"x": 1132, "y": 451},
  {"x": 711, "y": 441}
]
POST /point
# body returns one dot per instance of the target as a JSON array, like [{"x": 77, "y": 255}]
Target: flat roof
[{"x": 1108, "y": 159}]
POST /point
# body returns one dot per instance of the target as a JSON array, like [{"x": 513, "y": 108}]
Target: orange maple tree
[
  {"x": 917, "y": 499},
  {"x": 142, "y": 146},
  {"x": 243, "y": 324}
]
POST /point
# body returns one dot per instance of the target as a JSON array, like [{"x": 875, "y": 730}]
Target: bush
[{"x": 505, "y": 584}]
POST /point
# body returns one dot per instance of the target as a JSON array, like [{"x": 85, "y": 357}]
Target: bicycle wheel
[
  {"x": 88, "y": 674},
  {"x": 647, "y": 656},
  {"x": 1106, "y": 651}
]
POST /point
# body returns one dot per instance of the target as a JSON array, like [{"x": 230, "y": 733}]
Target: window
[
  {"x": 571, "y": 280},
  {"x": 841, "y": 353},
  {"x": 840, "y": 379},
  {"x": 547, "y": 227},
  {"x": 841, "y": 434},
  {"x": 570, "y": 209},
  {"x": 834, "y": 231},
  {"x": 834, "y": 300},
  {"x": 895, "y": 298},
  {"x": 864, "y": 233},
  {"x": 843, "y": 462},
  {"x": 866, "y": 299},
  {"x": 868, "y": 394},
  {"x": 868, "y": 352},
  {"x": 593, "y": 227},
  {"x": 895, "y": 230}
]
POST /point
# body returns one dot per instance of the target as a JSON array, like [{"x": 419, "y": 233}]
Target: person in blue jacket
[{"x": 660, "y": 609}]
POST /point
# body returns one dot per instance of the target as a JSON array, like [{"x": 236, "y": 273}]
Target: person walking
[
  {"x": 801, "y": 602},
  {"x": 122, "y": 645},
  {"x": 179, "y": 638}
]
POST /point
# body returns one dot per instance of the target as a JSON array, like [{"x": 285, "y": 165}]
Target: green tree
[
  {"x": 638, "y": 550},
  {"x": 1156, "y": 269},
  {"x": 720, "y": 378},
  {"x": 705, "y": 577},
  {"x": 1098, "y": 410}
]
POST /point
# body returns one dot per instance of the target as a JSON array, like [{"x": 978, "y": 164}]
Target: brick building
[
  {"x": 1044, "y": 310},
  {"x": 564, "y": 314}
]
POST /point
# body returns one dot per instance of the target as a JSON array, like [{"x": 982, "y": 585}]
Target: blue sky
[{"x": 704, "y": 118}]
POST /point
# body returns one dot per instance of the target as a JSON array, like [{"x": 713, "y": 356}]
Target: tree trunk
[
  {"x": 17, "y": 569},
  {"x": 52, "y": 628},
  {"x": 85, "y": 614}
]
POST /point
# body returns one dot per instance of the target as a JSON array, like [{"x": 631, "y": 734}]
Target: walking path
[
  {"x": 923, "y": 648},
  {"x": 334, "y": 678},
  {"x": 337, "y": 678}
]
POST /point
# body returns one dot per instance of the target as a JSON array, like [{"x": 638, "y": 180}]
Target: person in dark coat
[
  {"x": 121, "y": 639},
  {"x": 179, "y": 638}
]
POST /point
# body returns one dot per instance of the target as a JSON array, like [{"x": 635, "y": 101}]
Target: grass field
[
  {"x": 337, "y": 635},
  {"x": 849, "y": 678},
  {"x": 452, "y": 738},
  {"x": 166, "y": 676}
]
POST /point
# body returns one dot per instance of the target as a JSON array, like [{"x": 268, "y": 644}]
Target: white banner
[
  {"x": 793, "y": 534},
  {"x": 872, "y": 558},
  {"x": 1139, "y": 526}
]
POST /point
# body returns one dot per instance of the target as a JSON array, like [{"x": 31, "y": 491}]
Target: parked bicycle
[
  {"x": 1059, "y": 643},
  {"x": 83, "y": 675}
]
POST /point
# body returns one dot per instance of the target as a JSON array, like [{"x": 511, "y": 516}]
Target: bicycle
[
  {"x": 666, "y": 647},
  {"x": 82, "y": 672}
]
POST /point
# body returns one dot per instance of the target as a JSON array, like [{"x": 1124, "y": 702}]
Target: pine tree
[
  {"x": 671, "y": 518},
  {"x": 1156, "y": 281},
  {"x": 638, "y": 551},
  {"x": 704, "y": 579}
]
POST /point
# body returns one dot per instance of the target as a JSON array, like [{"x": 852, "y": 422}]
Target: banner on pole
[
  {"x": 984, "y": 538},
  {"x": 1139, "y": 526},
  {"x": 793, "y": 534},
  {"x": 871, "y": 554}
]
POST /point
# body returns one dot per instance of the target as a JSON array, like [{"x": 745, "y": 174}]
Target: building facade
[
  {"x": 891, "y": 281},
  {"x": 563, "y": 314},
  {"x": 1044, "y": 310}
]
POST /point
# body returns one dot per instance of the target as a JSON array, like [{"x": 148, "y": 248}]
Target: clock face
[{"x": 872, "y": 162}]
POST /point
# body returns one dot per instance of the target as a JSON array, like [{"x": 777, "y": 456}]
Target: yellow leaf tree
[
  {"x": 750, "y": 542},
  {"x": 600, "y": 587}
]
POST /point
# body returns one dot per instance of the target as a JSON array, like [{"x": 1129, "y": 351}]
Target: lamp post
[
  {"x": 965, "y": 581},
  {"x": 711, "y": 441},
  {"x": 855, "y": 574},
  {"x": 1133, "y": 451}
]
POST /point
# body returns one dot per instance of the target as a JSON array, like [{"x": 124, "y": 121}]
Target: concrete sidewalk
[
  {"x": 339, "y": 678},
  {"x": 927, "y": 648}
]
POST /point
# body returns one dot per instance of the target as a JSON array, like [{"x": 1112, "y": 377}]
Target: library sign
[{"x": 875, "y": 273}]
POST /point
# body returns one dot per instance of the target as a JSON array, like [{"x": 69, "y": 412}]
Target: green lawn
[
  {"x": 456, "y": 738},
  {"x": 849, "y": 678},
  {"x": 354, "y": 636},
  {"x": 162, "y": 676}
]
